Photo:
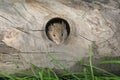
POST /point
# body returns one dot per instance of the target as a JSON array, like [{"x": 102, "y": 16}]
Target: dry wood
[{"x": 23, "y": 39}]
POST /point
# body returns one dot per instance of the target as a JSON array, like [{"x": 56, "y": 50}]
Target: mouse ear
[
  {"x": 63, "y": 23},
  {"x": 49, "y": 28}
]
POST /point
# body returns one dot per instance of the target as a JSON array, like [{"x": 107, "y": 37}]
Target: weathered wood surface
[{"x": 23, "y": 39}]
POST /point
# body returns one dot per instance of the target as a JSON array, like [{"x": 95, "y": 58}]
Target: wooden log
[{"x": 23, "y": 39}]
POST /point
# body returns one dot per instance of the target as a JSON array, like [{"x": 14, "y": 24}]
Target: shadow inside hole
[{"x": 56, "y": 20}]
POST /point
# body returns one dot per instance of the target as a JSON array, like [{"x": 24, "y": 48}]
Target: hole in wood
[{"x": 57, "y": 30}]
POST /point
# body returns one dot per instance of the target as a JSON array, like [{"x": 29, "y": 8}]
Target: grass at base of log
[{"x": 89, "y": 72}]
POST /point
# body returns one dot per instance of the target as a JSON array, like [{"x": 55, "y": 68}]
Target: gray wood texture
[{"x": 23, "y": 39}]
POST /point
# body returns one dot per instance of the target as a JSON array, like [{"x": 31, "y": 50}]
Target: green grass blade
[
  {"x": 55, "y": 75},
  {"x": 85, "y": 74},
  {"x": 90, "y": 60},
  {"x": 7, "y": 76},
  {"x": 110, "y": 61},
  {"x": 41, "y": 76},
  {"x": 102, "y": 70}
]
